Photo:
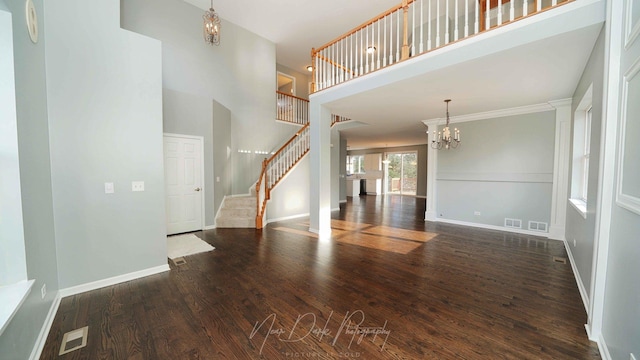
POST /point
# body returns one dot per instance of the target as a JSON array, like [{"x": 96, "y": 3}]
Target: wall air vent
[
  {"x": 538, "y": 226},
  {"x": 513, "y": 223}
]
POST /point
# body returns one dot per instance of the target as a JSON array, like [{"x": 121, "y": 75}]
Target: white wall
[
  {"x": 240, "y": 74},
  {"x": 503, "y": 169},
  {"x": 105, "y": 121},
  {"x": 290, "y": 198}
]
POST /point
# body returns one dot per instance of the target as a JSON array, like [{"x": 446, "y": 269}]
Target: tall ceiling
[
  {"x": 392, "y": 115},
  {"x": 296, "y": 26}
]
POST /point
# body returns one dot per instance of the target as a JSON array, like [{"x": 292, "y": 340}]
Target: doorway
[
  {"x": 184, "y": 191},
  {"x": 286, "y": 84},
  {"x": 402, "y": 173}
]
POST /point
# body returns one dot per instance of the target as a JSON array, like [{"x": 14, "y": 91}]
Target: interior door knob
[{"x": 198, "y": 189}]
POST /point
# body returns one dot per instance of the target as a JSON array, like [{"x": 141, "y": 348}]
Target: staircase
[{"x": 237, "y": 212}]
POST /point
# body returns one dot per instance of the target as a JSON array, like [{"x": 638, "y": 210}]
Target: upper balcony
[{"x": 413, "y": 28}]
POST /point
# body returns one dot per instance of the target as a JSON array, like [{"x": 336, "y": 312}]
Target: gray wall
[
  {"x": 19, "y": 338},
  {"x": 503, "y": 168},
  {"x": 302, "y": 80},
  {"x": 221, "y": 153},
  {"x": 240, "y": 74},
  {"x": 577, "y": 228},
  {"x": 422, "y": 161},
  {"x": 105, "y": 125},
  {"x": 290, "y": 198}
]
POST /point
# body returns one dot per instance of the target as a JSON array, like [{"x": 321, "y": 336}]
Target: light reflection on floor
[{"x": 383, "y": 238}]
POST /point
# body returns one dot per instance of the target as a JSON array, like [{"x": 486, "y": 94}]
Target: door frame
[
  {"x": 202, "y": 196},
  {"x": 293, "y": 82}
]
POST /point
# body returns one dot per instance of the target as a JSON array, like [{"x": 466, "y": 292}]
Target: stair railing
[
  {"x": 291, "y": 108},
  {"x": 276, "y": 167}
]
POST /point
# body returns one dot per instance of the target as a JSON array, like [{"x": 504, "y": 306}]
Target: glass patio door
[{"x": 402, "y": 173}]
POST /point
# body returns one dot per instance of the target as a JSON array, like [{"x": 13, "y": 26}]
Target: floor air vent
[
  {"x": 560, "y": 260},
  {"x": 74, "y": 340},
  {"x": 538, "y": 226},
  {"x": 179, "y": 261},
  {"x": 513, "y": 223}
]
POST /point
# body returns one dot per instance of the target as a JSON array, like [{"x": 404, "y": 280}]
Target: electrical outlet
[
  {"x": 217, "y": 178},
  {"x": 575, "y": 243},
  {"x": 108, "y": 188},
  {"x": 137, "y": 186},
  {"x": 476, "y": 213},
  {"x": 43, "y": 290}
]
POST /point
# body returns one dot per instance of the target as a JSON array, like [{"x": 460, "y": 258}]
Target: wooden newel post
[
  {"x": 405, "y": 30},
  {"x": 313, "y": 70}
]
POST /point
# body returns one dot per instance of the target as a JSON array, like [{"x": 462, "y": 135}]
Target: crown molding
[{"x": 520, "y": 110}]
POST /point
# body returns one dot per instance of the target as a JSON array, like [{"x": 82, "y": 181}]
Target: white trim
[
  {"x": 202, "y": 179},
  {"x": 46, "y": 328},
  {"x": 293, "y": 81},
  {"x": 520, "y": 110},
  {"x": 74, "y": 290},
  {"x": 209, "y": 227},
  {"x": 284, "y": 218},
  {"x": 583, "y": 291},
  {"x": 627, "y": 201},
  {"x": 343, "y": 201},
  {"x": 494, "y": 227},
  {"x": 580, "y": 206},
  {"x": 496, "y": 177},
  {"x": 290, "y": 123},
  {"x": 632, "y": 31},
  {"x": 603, "y": 348},
  {"x": 561, "y": 169}
]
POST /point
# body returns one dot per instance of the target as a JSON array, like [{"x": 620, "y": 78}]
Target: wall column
[
  {"x": 320, "y": 156},
  {"x": 431, "y": 213},
  {"x": 561, "y": 161}
]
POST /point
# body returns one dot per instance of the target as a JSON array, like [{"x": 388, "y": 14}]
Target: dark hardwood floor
[{"x": 387, "y": 285}]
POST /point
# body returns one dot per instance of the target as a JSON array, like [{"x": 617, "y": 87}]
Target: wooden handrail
[
  {"x": 287, "y": 143},
  {"x": 335, "y": 64},
  {"x": 293, "y": 96},
  {"x": 365, "y": 24}
]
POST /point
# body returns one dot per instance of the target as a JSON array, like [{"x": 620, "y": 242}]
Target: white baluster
[
  {"x": 412, "y": 51},
  {"x": 512, "y": 11},
  {"x": 554, "y": 2},
  {"x": 487, "y": 20},
  {"x": 373, "y": 54},
  {"x": 421, "y": 27},
  {"x": 466, "y": 18},
  {"x": 366, "y": 48},
  {"x": 539, "y": 5},
  {"x": 363, "y": 52},
  {"x": 398, "y": 36},
  {"x": 447, "y": 23},
  {"x": 390, "y": 38},
  {"x": 499, "y": 12},
  {"x": 477, "y": 22},
  {"x": 437, "y": 23},
  {"x": 355, "y": 68},
  {"x": 384, "y": 46},
  {"x": 351, "y": 69},
  {"x": 456, "y": 23},
  {"x": 429, "y": 25},
  {"x": 379, "y": 49}
]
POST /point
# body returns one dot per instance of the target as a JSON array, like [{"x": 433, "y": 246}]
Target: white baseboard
[
  {"x": 343, "y": 201},
  {"x": 583, "y": 291},
  {"x": 210, "y": 227},
  {"x": 336, "y": 209},
  {"x": 492, "y": 227},
  {"x": 603, "y": 348},
  {"x": 269, "y": 221},
  {"x": 46, "y": 327},
  {"x": 112, "y": 281}
]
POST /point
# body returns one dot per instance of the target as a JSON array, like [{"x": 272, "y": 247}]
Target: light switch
[
  {"x": 137, "y": 186},
  {"x": 108, "y": 188},
  {"x": 217, "y": 178}
]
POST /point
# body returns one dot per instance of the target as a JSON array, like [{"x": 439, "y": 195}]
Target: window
[
  {"x": 581, "y": 153},
  {"x": 355, "y": 164}
]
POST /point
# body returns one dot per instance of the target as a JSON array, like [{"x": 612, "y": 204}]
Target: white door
[{"x": 183, "y": 181}]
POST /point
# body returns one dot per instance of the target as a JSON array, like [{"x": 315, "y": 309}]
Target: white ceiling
[
  {"x": 296, "y": 26},
  {"x": 391, "y": 115}
]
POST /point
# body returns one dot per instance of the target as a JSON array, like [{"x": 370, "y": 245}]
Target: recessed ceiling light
[
  {"x": 310, "y": 68},
  {"x": 371, "y": 49}
]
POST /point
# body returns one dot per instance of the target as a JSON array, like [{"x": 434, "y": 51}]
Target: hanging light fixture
[
  {"x": 446, "y": 139},
  {"x": 211, "y": 27}
]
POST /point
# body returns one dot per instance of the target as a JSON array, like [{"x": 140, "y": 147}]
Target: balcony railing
[
  {"x": 412, "y": 28},
  {"x": 292, "y": 109}
]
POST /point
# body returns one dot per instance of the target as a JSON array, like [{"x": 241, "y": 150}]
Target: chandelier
[
  {"x": 446, "y": 138},
  {"x": 211, "y": 26}
]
